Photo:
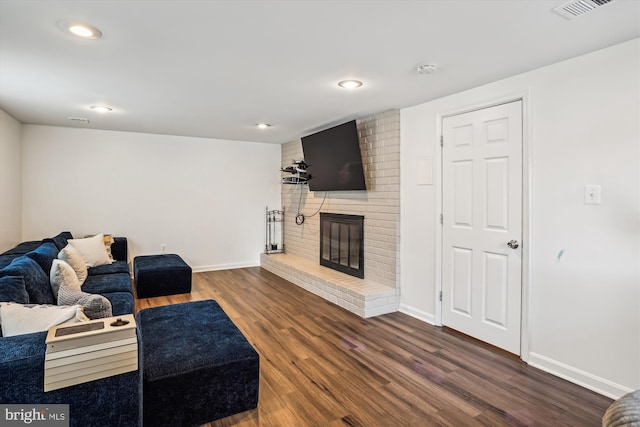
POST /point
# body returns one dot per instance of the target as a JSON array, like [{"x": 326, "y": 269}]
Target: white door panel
[
  {"x": 461, "y": 282},
  {"x": 482, "y": 211}
]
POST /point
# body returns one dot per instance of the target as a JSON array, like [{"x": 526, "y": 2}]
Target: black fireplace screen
[{"x": 342, "y": 243}]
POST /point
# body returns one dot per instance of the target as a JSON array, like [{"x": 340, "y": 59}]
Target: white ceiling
[{"x": 215, "y": 68}]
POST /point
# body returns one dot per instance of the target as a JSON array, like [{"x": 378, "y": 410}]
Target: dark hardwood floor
[{"x": 321, "y": 365}]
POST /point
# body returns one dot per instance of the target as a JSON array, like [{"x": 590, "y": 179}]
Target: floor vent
[{"x": 576, "y": 8}]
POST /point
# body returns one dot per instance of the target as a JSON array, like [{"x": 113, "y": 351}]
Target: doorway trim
[{"x": 525, "y": 97}]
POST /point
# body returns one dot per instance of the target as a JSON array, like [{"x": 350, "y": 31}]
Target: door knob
[{"x": 513, "y": 244}]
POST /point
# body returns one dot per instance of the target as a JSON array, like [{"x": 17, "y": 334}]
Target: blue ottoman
[
  {"x": 159, "y": 275},
  {"x": 197, "y": 366}
]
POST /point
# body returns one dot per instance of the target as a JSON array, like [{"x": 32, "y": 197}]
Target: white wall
[
  {"x": 584, "y": 129},
  {"x": 10, "y": 182},
  {"x": 203, "y": 198}
]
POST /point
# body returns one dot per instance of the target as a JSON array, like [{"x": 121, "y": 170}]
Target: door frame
[{"x": 525, "y": 97}]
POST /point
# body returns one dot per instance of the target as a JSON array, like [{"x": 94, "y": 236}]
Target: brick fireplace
[{"x": 378, "y": 292}]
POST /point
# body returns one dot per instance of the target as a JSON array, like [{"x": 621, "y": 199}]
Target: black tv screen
[{"x": 333, "y": 159}]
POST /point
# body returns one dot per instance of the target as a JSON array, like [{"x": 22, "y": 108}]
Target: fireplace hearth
[{"x": 342, "y": 243}]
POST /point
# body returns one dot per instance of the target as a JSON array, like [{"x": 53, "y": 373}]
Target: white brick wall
[{"x": 380, "y": 204}]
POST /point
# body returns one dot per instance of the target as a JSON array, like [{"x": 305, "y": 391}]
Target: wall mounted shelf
[{"x": 297, "y": 173}]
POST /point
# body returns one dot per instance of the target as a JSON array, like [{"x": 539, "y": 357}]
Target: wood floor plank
[{"x": 321, "y": 365}]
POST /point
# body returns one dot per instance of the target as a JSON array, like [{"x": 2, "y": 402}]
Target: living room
[{"x": 204, "y": 198}]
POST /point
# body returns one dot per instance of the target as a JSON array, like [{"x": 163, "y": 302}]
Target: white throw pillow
[
  {"x": 92, "y": 250},
  {"x": 108, "y": 241},
  {"x": 72, "y": 256},
  {"x": 18, "y": 319},
  {"x": 62, "y": 274}
]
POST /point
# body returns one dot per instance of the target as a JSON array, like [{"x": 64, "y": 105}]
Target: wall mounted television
[{"x": 333, "y": 159}]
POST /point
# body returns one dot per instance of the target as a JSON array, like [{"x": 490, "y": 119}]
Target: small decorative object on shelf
[
  {"x": 274, "y": 235},
  {"x": 298, "y": 171}
]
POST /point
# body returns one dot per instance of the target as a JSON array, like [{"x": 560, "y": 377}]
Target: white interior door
[{"x": 482, "y": 224}]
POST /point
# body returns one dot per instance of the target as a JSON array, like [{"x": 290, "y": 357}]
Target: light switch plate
[{"x": 592, "y": 195}]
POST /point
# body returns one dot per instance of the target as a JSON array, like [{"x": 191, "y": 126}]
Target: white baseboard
[
  {"x": 418, "y": 314},
  {"x": 577, "y": 376},
  {"x": 203, "y": 268}
]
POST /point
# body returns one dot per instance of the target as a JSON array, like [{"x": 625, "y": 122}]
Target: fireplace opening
[{"x": 342, "y": 243}]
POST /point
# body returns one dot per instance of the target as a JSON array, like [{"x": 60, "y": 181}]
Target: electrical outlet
[
  {"x": 592, "y": 194},
  {"x": 163, "y": 247}
]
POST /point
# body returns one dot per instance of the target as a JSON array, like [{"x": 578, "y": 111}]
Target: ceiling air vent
[{"x": 579, "y": 7}]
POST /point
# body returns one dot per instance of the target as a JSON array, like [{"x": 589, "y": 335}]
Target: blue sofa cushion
[
  {"x": 44, "y": 256},
  {"x": 6, "y": 260},
  {"x": 61, "y": 239},
  {"x": 103, "y": 283},
  {"x": 12, "y": 289},
  {"x": 23, "y": 248},
  {"x": 121, "y": 302},
  {"x": 35, "y": 280},
  {"x": 114, "y": 267},
  {"x": 119, "y": 249}
]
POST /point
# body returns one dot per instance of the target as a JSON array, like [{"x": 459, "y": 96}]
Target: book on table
[{"x": 88, "y": 351}]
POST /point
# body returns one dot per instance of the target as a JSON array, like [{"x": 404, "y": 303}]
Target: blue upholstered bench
[
  {"x": 158, "y": 275},
  {"x": 197, "y": 366}
]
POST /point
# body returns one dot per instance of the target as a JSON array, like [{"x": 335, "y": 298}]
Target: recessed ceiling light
[
  {"x": 263, "y": 125},
  {"x": 81, "y": 30},
  {"x": 350, "y": 84},
  {"x": 101, "y": 108}
]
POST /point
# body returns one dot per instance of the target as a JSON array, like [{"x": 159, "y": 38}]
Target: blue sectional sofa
[{"x": 113, "y": 401}]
